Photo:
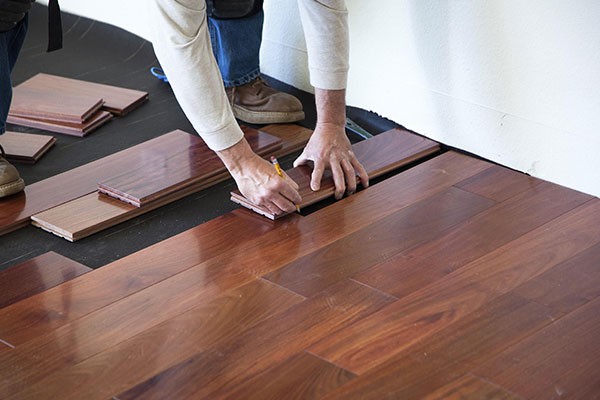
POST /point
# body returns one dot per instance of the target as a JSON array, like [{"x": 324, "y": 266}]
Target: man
[
  {"x": 182, "y": 43},
  {"x": 13, "y": 28},
  {"x": 236, "y": 36}
]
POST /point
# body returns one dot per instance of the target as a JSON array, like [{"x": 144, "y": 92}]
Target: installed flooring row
[{"x": 453, "y": 279}]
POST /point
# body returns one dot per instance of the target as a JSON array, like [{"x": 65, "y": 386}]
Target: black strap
[{"x": 55, "y": 39}]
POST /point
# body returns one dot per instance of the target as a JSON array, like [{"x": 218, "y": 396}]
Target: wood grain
[
  {"x": 31, "y": 101},
  {"x": 37, "y": 275},
  {"x": 561, "y": 360},
  {"x": 471, "y": 387},
  {"x": 499, "y": 183},
  {"x": 163, "y": 171},
  {"x": 117, "y": 100},
  {"x": 25, "y": 147},
  {"x": 381, "y": 154},
  {"x": 372, "y": 341},
  {"x": 15, "y": 211},
  {"x": 82, "y": 129},
  {"x": 419, "y": 222},
  {"x": 294, "y": 137}
]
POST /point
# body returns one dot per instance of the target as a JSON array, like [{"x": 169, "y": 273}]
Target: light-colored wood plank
[{"x": 25, "y": 147}]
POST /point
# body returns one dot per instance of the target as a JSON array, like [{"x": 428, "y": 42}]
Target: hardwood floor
[{"x": 453, "y": 279}]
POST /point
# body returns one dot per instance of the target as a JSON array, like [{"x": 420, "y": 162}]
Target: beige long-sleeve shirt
[{"x": 182, "y": 44}]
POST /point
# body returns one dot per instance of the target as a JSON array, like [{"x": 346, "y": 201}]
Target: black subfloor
[{"x": 103, "y": 53}]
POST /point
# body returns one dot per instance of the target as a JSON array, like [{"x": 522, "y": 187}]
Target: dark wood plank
[
  {"x": 302, "y": 376},
  {"x": 95, "y": 121},
  {"x": 258, "y": 245},
  {"x": 211, "y": 372},
  {"x": 499, "y": 183},
  {"x": 15, "y": 211},
  {"x": 25, "y": 147},
  {"x": 180, "y": 299},
  {"x": 31, "y": 100},
  {"x": 561, "y": 360},
  {"x": 471, "y": 387},
  {"x": 294, "y": 137},
  {"x": 117, "y": 100},
  {"x": 37, "y": 275},
  {"x": 381, "y": 154},
  {"x": 161, "y": 172},
  {"x": 379, "y": 337},
  {"x": 419, "y": 222},
  {"x": 428, "y": 365},
  {"x": 569, "y": 285}
]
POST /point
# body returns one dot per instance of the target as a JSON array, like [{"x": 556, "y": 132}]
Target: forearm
[
  {"x": 331, "y": 107},
  {"x": 182, "y": 45}
]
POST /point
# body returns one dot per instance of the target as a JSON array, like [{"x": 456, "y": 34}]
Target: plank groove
[{"x": 381, "y": 154}]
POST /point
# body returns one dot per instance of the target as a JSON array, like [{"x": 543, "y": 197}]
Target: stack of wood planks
[
  {"x": 69, "y": 106},
  {"x": 455, "y": 278}
]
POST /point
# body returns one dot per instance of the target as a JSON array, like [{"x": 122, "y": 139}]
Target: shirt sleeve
[
  {"x": 325, "y": 24},
  {"x": 182, "y": 44}
]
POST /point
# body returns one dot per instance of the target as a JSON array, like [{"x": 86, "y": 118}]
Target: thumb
[{"x": 301, "y": 160}]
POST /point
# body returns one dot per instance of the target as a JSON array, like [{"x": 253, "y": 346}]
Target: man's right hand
[{"x": 258, "y": 180}]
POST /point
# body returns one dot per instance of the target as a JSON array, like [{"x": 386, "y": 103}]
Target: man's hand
[
  {"x": 258, "y": 180},
  {"x": 329, "y": 147}
]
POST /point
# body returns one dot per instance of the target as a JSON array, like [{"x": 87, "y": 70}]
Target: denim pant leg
[
  {"x": 10, "y": 45},
  {"x": 236, "y": 46}
]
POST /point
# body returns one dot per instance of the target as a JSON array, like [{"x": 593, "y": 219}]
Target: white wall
[{"x": 517, "y": 82}]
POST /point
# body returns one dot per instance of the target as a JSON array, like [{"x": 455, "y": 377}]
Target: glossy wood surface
[
  {"x": 25, "y": 147},
  {"x": 32, "y": 101},
  {"x": 381, "y": 154},
  {"x": 37, "y": 275},
  {"x": 168, "y": 169},
  {"x": 95, "y": 121},
  {"x": 117, "y": 100},
  {"x": 209, "y": 313},
  {"x": 15, "y": 211}
]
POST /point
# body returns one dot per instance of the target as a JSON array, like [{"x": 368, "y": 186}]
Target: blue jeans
[
  {"x": 10, "y": 45},
  {"x": 236, "y": 46}
]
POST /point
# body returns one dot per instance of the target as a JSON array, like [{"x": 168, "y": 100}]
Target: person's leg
[
  {"x": 10, "y": 46},
  {"x": 236, "y": 46}
]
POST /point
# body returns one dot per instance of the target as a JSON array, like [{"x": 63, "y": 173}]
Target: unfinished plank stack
[
  {"x": 25, "y": 147},
  {"x": 452, "y": 279},
  {"x": 69, "y": 106},
  {"x": 379, "y": 155}
]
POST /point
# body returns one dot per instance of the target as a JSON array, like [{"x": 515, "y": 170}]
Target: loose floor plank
[
  {"x": 374, "y": 340},
  {"x": 37, "y": 275},
  {"x": 25, "y": 147},
  {"x": 15, "y": 211},
  {"x": 419, "y": 222},
  {"x": 381, "y": 154},
  {"x": 53, "y": 105},
  {"x": 163, "y": 171},
  {"x": 82, "y": 129},
  {"x": 561, "y": 360},
  {"x": 117, "y": 100}
]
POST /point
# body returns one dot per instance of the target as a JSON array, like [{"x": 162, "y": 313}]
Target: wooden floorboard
[
  {"x": 453, "y": 279},
  {"x": 25, "y": 147},
  {"x": 381, "y": 154},
  {"x": 79, "y": 129},
  {"x": 36, "y": 276}
]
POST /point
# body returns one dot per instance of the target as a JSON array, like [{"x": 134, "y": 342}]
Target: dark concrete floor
[{"x": 103, "y": 53}]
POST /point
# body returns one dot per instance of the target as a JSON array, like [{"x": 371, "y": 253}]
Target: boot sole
[
  {"x": 257, "y": 117},
  {"x": 12, "y": 188}
]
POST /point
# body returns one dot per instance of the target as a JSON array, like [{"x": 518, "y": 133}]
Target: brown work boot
[
  {"x": 258, "y": 103},
  {"x": 10, "y": 181}
]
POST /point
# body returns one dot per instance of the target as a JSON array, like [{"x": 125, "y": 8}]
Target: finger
[
  {"x": 338, "y": 180},
  {"x": 316, "y": 176},
  {"x": 272, "y": 207},
  {"x": 291, "y": 193},
  {"x": 360, "y": 171},
  {"x": 301, "y": 160},
  {"x": 284, "y": 204},
  {"x": 350, "y": 176},
  {"x": 291, "y": 181}
]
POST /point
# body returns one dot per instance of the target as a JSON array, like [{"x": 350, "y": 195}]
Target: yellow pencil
[{"x": 280, "y": 173}]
